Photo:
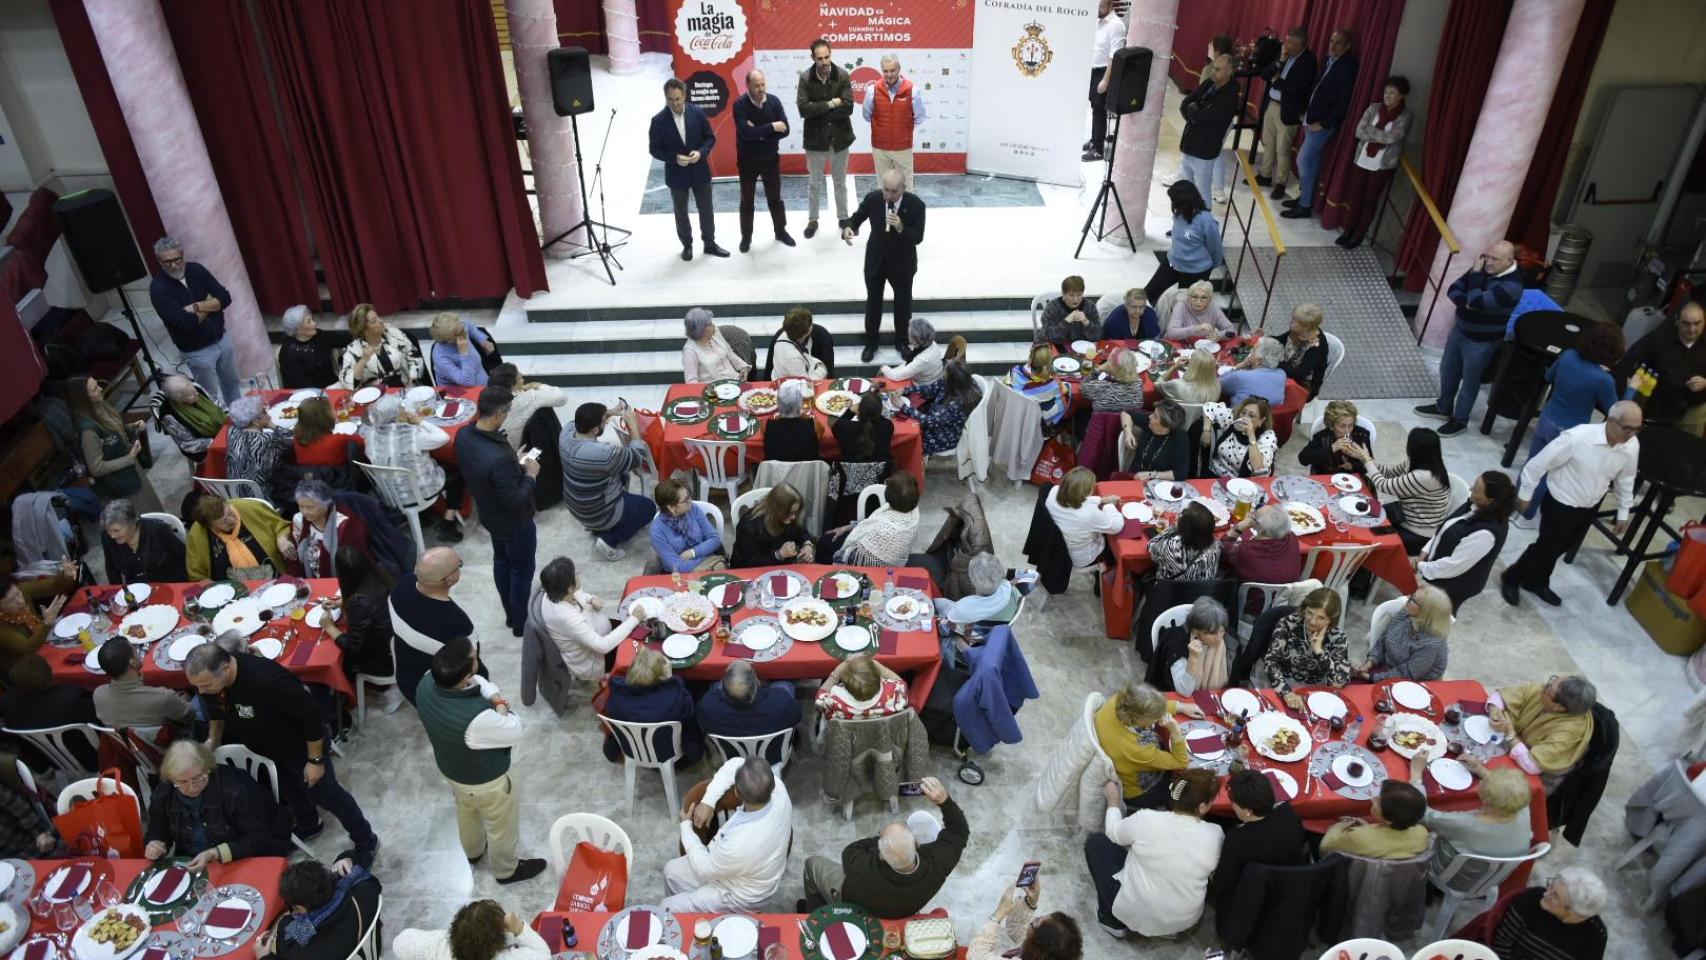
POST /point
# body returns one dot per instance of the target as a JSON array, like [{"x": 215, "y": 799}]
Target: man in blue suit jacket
[
  {"x": 1329, "y": 102},
  {"x": 682, "y": 140}
]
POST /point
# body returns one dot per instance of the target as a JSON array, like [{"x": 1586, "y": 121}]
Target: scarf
[
  {"x": 203, "y": 416},
  {"x": 26, "y": 618},
  {"x": 1382, "y": 120},
  {"x": 237, "y": 553},
  {"x": 300, "y": 928},
  {"x": 1207, "y": 665}
]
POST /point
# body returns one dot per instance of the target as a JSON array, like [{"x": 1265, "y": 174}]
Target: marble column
[
  {"x": 550, "y": 138},
  {"x": 150, "y": 88},
  {"x": 1149, "y": 23},
  {"x": 622, "y": 36},
  {"x": 1519, "y": 96}
]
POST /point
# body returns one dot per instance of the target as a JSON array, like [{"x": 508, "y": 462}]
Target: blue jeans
[
  {"x": 1460, "y": 373},
  {"x": 1200, "y": 172},
  {"x": 637, "y": 514},
  {"x": 512, "y": 572},
  {"x": 1309, "y": 161},
  {"x": 1545, "y": 431},
  {"x": 215, "y": 368}
]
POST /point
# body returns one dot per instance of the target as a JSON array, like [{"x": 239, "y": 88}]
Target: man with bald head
[
  {"x": 1484, "y": 297},
  {"x": 895, "y": 873},
  {"x": 1578, "y": 467},
  {"x": 891, "y": 256},
  {"x": 760, "y": 124},
  {"x": 424, "y": 618},
  {"x": 1675, "y": 354}
]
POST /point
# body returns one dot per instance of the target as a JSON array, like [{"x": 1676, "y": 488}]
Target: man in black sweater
[
  {"x": 759, "y": 124},
  {"x": 892, "y": 874},
  {"x": 502, "y": 487},
  {"x": 1208, "y": 111},
  {"x": 1267, "y": 834},
  {"x": 1484, "y": 297}
]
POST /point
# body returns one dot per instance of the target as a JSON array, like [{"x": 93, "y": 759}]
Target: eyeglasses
[
  {"x": 1627, "y": 428},
  {"x": 191, "y": 782},
  {"x": 171, "y": 261}
]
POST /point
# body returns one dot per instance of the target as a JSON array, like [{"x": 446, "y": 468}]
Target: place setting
[
  {"x": 758, "y": 638},
  {"x": 726, "y": 592},
  {"x": 1205, "y": 741},
  {"x": 167, "y": 890},
  {"x": 224, "y": 919},
  {"x": 843, "y": 588},
  {"x": 1294, "y": 488},
  {"x": 759, "y": 401},
  {"x": 203, "y": 601},
  {"x": 636, "y": 929},
  {"x": 1468, "y": 727},
  {"x": 1348, "y": 769},
  {"x": 176, "y": 646},
  {"x": 722, "y": 392},
  {"x": 842, "y": 931},
  {"x": 906, "y": 609},
  {"x": 688, "y": 410},
  {"x": 733, "y": 426},
  {"x": 777, "y": 587}
]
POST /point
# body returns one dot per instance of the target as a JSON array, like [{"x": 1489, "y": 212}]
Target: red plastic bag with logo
[
  {"x": 597, "y": 880},
  {"x": 1688, "y": 574},
  {"x": 109, "y": 824},
  {"x": 1052, "y": 463}
]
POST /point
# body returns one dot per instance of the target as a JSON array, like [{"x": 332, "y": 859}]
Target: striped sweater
[
  {"x": 594, "y": 475},
  {"x": 1424, "y": 500}
]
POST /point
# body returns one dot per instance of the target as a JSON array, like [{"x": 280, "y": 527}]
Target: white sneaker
[
  {"x": 1220, "y": 196},
  {"x": 1169, "y": 179},
  {"x": 1525, "y": 523},
  {"x": 1112, "y": 931},
  {"x": 607, "y": 551},
  {"x": 393, "y": 700}
]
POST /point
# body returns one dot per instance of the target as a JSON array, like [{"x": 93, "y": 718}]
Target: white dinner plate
[
  {"x": 181, "y": 647},
  {"x": 8, "y": 873},
  {"x": 1480, "y": 730},
  {"x": 1240, "y": 701},
  {"x": 1352, "y": 770},
  {"x": 1067, "y": 365},
  {"x": 1243, "y": 488},
  {"x": 1287, "y": 783},
  {"x": 284, "y": 413},
  {"x": 347, "y": 428},
  {"x": 905, "y": 607},
  {"x": 738, "y": 936},
  {"x": 726, "y": 391},
  {"x": 857, "y": 384},
  {"x": 812, "y": 619},
  {"x": 1137, "y": 510},
  {"x": 83, "y": 946},
  {"x": 689, "y": 613},
  {"x": 853, "y": 637},
  {"x": 68, "y": 625},
  {"x": 421, "y": 395},
  {"x": 92, "y": 661},
  {"x": 1207, "y": 346},
  {"x": 1224, "y": 369},
  {"x": 278, "y": 595},
  {"x": 1264, "y": 726},
  {"x": 1154, "y": 349},
  {"x": 789, "y": 588},
  {"x": 680, "y": 646},
  {"x": 316, "y": 617},
  {"x": 222, "y": 932},
  {"x": 687, "y": 408},
  {"x": 856, "y": 943},
  {"x": 760, "y": 637},
  {"x": 733, "y": 422},
  {"x": 1411, "y": 694},
  {"x": 1305, "y": 518},
  {"x": 366, "y": 395},
  {"x": 1083, "y": 346},
  {"x": 1170, "y": 492},
  {"x": 15, "y": 929},
  {"x": 139, "y": 592},
  {"x": 269, "y": 647},
  {"x": 836, "y": 402},
  {"x": 149, "y": 624},
  {"x": 1327, "y": 705},
  {"x": 1348, "y": 482},
  {"x": 1356, "y": 505},
  {"x": 243, "y": 616},
  {"x": 1433, "y": 744},
  {"x": 216, "y": 596},
  {"x": 1450, "y": 774}
]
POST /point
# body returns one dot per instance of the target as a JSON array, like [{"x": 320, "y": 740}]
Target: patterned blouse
[
  {"x": 1113, "y": 395},
  {"x": 1175, "y": 561},
  {"x": 1231, "y": 453},
  {"x": 941, "y": 419},
  {"x": 838, "y": 704},
  {"x": 1404, "y": 652},
  {"x": 1291, "y": 660},
  {"x": 252, "y": 454}
]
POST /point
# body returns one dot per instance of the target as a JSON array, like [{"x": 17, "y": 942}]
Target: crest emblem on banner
[{"x": 1032, "y": 54}]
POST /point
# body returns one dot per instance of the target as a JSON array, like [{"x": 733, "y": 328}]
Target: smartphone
[
  {"x": 912, "y": 788},
  {"x": 529, "y": 455},
  {"x": 1028, "y": 874}
]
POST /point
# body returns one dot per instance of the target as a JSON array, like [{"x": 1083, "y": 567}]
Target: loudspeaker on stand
[
  {"x": 571, "y": 81},
  {"x": 99, "y": 239},
  {"x": 1128, "y": 79}
]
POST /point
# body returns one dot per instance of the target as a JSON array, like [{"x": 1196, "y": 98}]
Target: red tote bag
[{"x": 109, "y": 824}]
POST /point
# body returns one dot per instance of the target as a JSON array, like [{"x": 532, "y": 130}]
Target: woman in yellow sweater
[{"x": 1137, "y": 731}]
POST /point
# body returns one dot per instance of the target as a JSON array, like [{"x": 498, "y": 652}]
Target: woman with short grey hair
[
  {"x": 254, "y": 446},
  {"x": 308, "y": 357},
  {"x": 965, "y": 622},
  {"x": 927, "y": 356},
  {"x": 1559, "y": 921},
  {"x": 138, "y": 550},
  {"x": 319, "y": 529},
  {"x": 209, "y": 812},
  {"x": 791, "y": 436},
  {"x": 706, "y": 356},
  {"x": 1195, "y": 654},
  {"x": 1552, "y": 724},
  {"x": 395, "y": 437},
  {"x": 1258, "y": 375}
]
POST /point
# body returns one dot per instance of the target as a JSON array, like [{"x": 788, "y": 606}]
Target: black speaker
[
  {"x": 571, "y": 81},
  {"x": 1128, "y": 79},
  {"x": 99, "y": 239}
]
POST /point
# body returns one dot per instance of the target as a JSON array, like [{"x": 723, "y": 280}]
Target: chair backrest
[
  {"x": 1362, "y": 421},
  {"x": 1363, "y": 948},
  {"x": 1335, "y": 352},
  {"x": 147, "y": 768},
  {"x": 1038, "y": 302},
  {"x": 27, "y": 779},
  {"x": 1382, "y": 616},
  {"x": 751, "y": 498},
  {"x": 1499, "y": 868},
  {"x": 262, "y": 769},
  {"x": 1343, "y": 561},
  {"x": 1247, "y": 592},
  {"x": 262, "y": 501},
  {"x": 716, "y": 514},
  {"x": 870, "y": 499},
  {"x": 1388, "y": 896},
  {"x": 86, "y": 789},
  {"x": 1459, "y": 493},
  {"x": 1165, "y": 303},
  {"x": 601, "y": 832},
  {"x": 1455, "y": 950},
  {"x": 231, "y": 489},
  {"x": 368, "y": 948},
  {"x": 637, "y": 740},
  {"x": 399, "y": 487},
  {"x": 713, "y": 457},
  {"x": 1173, "y": 616},
  {"x": 53, "y": 742},
  {"x": 810, "y": 478},
  {"x": 730, "y": 747},
  {"x": 170, "y": 521},
  {"x": 979, "y": 415}
]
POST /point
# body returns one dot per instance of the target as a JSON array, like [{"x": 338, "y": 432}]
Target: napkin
[
  {"x": 37, "y": 950},
  {"x": 155, "y": 953},
  {"x": 1202, "y": 743},
  {"x": 731, "y": 423},
  {"x": 831, "y": 589},
  {"x": 738, "y": 588},
  {"x": 639, "y": 929},
  {"x": 232, "y": 917},
  {"x": 1280, "y": 793},
  {"x": 1132, "y": 530},
  {"x": 768, "y": 936},
  {"x": 888, "y": 641},
  {"x": 840, "y": 946},
  {"x": 913, "y": 582},
  {"x": 1332, "y": 781},
  {"x": 778, "y": 585},
  {"x": 737, "y": 650},
  {"x": 640, "y": 633},
  {"x": 1473, "y": 708},
  {"x": 70, "y": 882},
  {"x": 301, "y": 654},
  {"x": 1205, "y": 702},
  {"x": 167, "y": 884}
]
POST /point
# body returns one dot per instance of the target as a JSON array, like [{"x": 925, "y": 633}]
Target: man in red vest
[{"x": 893, "y": 108}]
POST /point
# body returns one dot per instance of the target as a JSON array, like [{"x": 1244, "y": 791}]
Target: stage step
[{"x": 775, "y": 311}]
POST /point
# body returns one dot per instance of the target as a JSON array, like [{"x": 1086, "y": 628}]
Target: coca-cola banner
[
  {"x": 717, "y": 42},
  {"x": 1031, "y": 61}
]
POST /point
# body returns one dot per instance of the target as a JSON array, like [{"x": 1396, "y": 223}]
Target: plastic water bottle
[{"x": 888, "y": 587}]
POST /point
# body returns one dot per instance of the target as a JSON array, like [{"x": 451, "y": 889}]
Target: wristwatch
[{"x": 319, "y": 761}]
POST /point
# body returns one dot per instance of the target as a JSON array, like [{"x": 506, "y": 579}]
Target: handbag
[
  {"x": 930, "y": 938},
  {"x": 596, "y": 880},
  {"x": 109, "y": 824},
  {"x": 1053, "y": 461},
  {"x": 1688, "y": 574}
]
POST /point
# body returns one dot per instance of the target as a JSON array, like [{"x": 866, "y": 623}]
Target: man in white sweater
[{"x": 742, "y": 866}]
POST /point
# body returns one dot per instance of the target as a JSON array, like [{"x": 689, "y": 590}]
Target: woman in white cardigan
[
  {"x": 927, "y": 358},
  {"x": 481, "y": 930},
  {"x": 1151, "y": 869},
  {"x": 576, "y": 623},
  {"x": 706, "y": 356},
  {"x": 1083, "y": 517},
  {"x": 884, "y": 538}
]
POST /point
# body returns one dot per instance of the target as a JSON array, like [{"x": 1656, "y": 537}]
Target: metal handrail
[
  {"x": 1427, "y": 199},
  {"x": 1245, "y": 220},
  {"x": 1440, "y": 226}
]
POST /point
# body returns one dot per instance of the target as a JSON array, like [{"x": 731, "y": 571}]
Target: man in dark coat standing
[
  {"x": 1208, "y": 111},
  {"x": 891, "y": 255},
  {"x": 1289, "y": 80},
  {"x": 681, "y": 139},
  {"x": 1329, "y": 102},
  {"x": 759, "y": 124},
  {"x": 502, "y": 486},
  {"x": 825, "y": 101}
]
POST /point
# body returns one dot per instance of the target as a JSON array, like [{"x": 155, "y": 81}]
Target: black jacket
[
  {"x": 1046, "y": 549},
  {"x": 1276, "y": 840},
  {"x": 235, "y": 810},
  {"x": 827, "y": 128},
  {"x": 755, "y": 133},
  {"x": 541, "y": 433},
  {"x": 1318, "y": 456},
  {"x": 1255, "y": 646},
  {"x": 1309, "y": 370},
  {"x": 1293, "y": 87},
  {"x": 1575, "y": 799},
  {"x": 1273, "y": 909},
  {"x": 338, "y": 935},
  {"x": 502, "y": 491},
  {"x": 756, "y": 547},
  {"x": 888, "y": 251},
  {"x": 1208, "y": 112},
  {"x": 1331, "y": 98},
  {"x": 57, "y": 706},
  {"x": 366, "y": 640},
  {"x": 791, "y": 439},
  {"x": 873, "y": 884},
  {"x": 1158, "y": 595},
  {"x": 312, "y": 362},
  {"x": 822, "y": 347},
  {"x": 158, "y": 557}
]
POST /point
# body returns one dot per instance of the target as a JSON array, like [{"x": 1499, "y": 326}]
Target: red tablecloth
[
  {"x": 1320, "y": 807},
  {"x": 917, "y": 654},
  {"x": 214, "y": 466},
  {"x": 262, "y": 873},
  {"x": 1388, "y": 561},
  {"x": 310, "y": 655},
  {"x": 668, "y": 440},
  {"x": 1285, "y": 414},
  {"x": 786, "y": 927}
]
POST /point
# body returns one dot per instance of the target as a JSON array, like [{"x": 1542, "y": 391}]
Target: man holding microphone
[{"x": 891, "y": 256}]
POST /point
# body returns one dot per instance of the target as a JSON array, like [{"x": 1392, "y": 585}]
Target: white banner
[{"x": 1030, "y": 88}]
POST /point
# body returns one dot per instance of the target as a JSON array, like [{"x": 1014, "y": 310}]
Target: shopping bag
[
  {"x": 1052, "y": 463},
  {"x": 1688, "y": 574},
  {"x": 596, "y": 880},
  {"x": 108, "y": 824}
]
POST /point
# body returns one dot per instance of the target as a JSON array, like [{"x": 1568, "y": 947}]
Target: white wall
[
  {"x": 1413, "y": 57},
  {"x": 39, "y": 97}
]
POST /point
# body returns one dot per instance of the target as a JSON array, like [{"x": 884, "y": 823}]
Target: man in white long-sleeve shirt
[
  {"x": 1578, "y": 467},
  {"x": 1110, "y": 37},
  {"x": 472, "y": 731},
  {"x": 742, "y": 866}
]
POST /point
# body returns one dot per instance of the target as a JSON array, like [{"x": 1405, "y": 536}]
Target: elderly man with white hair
[
  {"x": 706, "y": 356},
  {"x": 255, "y": 446},
  {"x": 1558, "y": 921},
  {"x": 187, "y": 414},
  {"x": 891, "y": 255},
  {"x": 895, "y": 873},
  {"x": 995, "y": 599},
  {"x": 927, "y": 355},
  {"x": 1262, "y": 548},
  {"x": 191, "y": 305},
  {"x": 1484, "y": 297},
  {"x": 1258, "y": 376},
  {"x": 893, "y": 108},
  {"x": 308, "y": 357},
  {"x": 741, "y": 868},
  {"x": 395, "y": 437}
]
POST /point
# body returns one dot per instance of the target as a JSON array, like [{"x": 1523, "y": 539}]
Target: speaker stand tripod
[
  {"x": 1100, "y": 206},
  {"x": 602, "y": 248}
]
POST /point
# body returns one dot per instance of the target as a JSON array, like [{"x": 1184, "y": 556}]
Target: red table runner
[
  {"x": 783, "y": 928},
  {"x": 214, "y": 465}
]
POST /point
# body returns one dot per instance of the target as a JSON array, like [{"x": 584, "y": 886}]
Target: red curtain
[
  {"x": 580, "y": 23},
  {"x": 21, "y": 371},
  {"x": 233, "y": 104},
  {"x": 1374, "y": 27},
  {"x": 1468, "y": 47},
  {"x": 1532, "y": 221},
  {"x": 1243, "y": 20},
  {"x": 404, "y": 135},
  {"x": 110, "y": 131}
]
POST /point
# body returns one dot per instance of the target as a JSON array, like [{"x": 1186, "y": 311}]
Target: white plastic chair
[
  {"x": 27, "y": 779},
  {"x": 147, "y": 769},
  {"x": 1344, "y": 559},
  {"x": 79, "y": 790},
  {"x": 810, "y": 478},
  {"x": 1460, "y": 950},
  {"x": 1381, "y": 616},
  {"x": 1038, "y": 302},
  {"x": 1484, "y": 891},
  {"x": 1364, "y": 948},
  {"x": 232, "y": 489},
  {"x": 53, "y": 743},
  {"x": 264, "y": 772},
  {"x": 400, "y": 488},
  {"x": 1459, "y": 493},
  {"x": 648, "y": 472},
  {"x": 730, "y": 747},
  {"x": 713, "y": 457},
  {"x": 601, "y": 832},
  {"x": 716, "y": 514},
  {"x": 1171, "y": 617},
  {"x": 635, "y": 741},
  {"x": 1335, "y": 355},
  {"x": 368, "y": 948},
  {"x": 870, "y": 499},
  {"x": 1362, "y": 421},
  {"x": 363, "y": 680},
  {"x": 751, "y": 498},
  {"x": 1267, "y": 591},
  {"x": 170, "y": 521}
]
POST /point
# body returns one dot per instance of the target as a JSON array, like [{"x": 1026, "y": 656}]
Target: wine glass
[
  {"x": 1318, "y": 733},
  {"x": 106, "y": 893},
  {"x": 65, "y": 916},
  {"x": 40, "y": 907}
]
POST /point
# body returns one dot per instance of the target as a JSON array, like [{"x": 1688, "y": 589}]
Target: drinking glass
[
  {"x": 106, "y": 893},
  {"x": 1319, "y": 732},
  {"x": 65, "y": 916},
  {"x": 84, "y": 907},
  {"x": 39, "y": 905}
]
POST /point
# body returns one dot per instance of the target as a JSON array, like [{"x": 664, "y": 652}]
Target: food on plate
[
  {"x": 1284, "y": 741},
  {"x": 1411, "y": 739},
  {"x": 761, "y": 399},
  {"x": 836, "y": 403},
  {"x": 1355, "y": 769},
  {"x": 692, "y": 617},
  {"x": 1299, "y": 516},
  {"x": 136, "y": 632},
  {"x": 119, "y": 929},
  {"x": 903, "y": 609},
  {"x": 807, "y": 615}
]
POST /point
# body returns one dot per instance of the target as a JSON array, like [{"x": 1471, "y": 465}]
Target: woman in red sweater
[{"x": 316, "y": 441}]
